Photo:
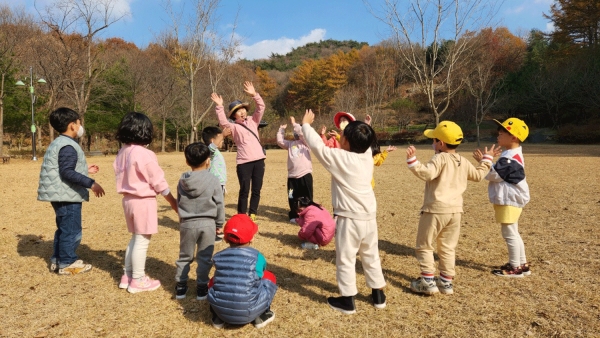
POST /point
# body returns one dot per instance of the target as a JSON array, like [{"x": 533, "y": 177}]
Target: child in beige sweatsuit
[
  {"x": 351, "y": 168},
  {"x": 446, "y": 176}
]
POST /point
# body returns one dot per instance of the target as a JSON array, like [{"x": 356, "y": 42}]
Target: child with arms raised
[
  {"x": 445, "y": 177},
  {"x": 139, "y": 180},
  {"x": 341, "y": 120},
  {"x": 509, "y": 192},
  {"x": 299, "y": 165},
  {"x": 201, "y": 218},
  {"x": 351, "y": 168},
  {"x": 64, "y": 182}
]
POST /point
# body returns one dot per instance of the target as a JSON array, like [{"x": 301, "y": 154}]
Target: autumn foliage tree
[
  {"x": 576, "y": 22},
  {"x": 497, "y": 52},
  {"x": 314, "y": 83}
]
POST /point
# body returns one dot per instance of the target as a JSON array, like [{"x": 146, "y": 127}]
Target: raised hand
[
  {"x": 292, "y": 120},
  {"x": 217, "y": 99},
  {"x": 282, "y": 126},
  {"x": 493, "y": 151},
  {"x": 390, "y": 149},
  {"x": 323, "y": 130},
  {"x": 477, "y": 155},
  {"x": 368, "y": 119},
  {"x": 309, "y": 117},
  {"x": 249, "y": 88},
  {"x": 410, "y": 152},
  {"x": 226, "y": 132},
  {"x": 92, "y": 169},
  {"x": 333, "y": 133}
]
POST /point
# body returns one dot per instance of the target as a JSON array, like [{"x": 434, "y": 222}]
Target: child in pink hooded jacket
[{"x": 316, "y": 224}]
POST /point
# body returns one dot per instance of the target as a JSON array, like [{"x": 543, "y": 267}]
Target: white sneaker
[
  {"x": 75, "y": 268},
  {"x": 444, "y": 287},
  {"x": 420, "y": 285},
  {"x": 293, "y": 221}
]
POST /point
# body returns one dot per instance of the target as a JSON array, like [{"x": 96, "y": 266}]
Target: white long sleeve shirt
[{"x": 351, "y": 192}]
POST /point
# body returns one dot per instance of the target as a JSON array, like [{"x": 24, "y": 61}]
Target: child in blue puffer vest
[{"x": 241, "y": 290}]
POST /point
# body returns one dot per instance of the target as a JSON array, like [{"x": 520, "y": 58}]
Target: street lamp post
[{"x": 33, "y": 97}]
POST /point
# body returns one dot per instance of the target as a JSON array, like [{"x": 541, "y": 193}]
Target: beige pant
[
  {"x": 352, "y": 237},
  {"x": 443, "y": 230}
]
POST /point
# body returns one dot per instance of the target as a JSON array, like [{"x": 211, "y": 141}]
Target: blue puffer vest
[{"x": 238, "y": 295}]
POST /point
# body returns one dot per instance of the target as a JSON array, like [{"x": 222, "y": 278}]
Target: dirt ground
[{"x": 559, "y": 226}]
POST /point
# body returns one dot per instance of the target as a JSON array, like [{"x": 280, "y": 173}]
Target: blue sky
[{"x": 277, "y": 26}]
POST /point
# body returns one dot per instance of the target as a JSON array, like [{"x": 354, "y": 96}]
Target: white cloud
[
  {"x": 122, "y": 7},
  {"x": 263, "y": 49},
  {"x": 549, "y": 27}
]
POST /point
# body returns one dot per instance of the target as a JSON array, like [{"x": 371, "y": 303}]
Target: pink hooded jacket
[{"x": 316, "y": 225}]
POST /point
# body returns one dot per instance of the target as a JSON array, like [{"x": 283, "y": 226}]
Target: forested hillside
[{"x": 549, "y": 80}]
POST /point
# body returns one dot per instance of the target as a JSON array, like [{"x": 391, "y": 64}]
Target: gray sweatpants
[{"x": 195, "y": 237}]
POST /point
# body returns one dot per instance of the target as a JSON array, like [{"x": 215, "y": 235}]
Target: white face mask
[
  {"x": 343, "y": 125},
  {"x": 80, "y": 131}
]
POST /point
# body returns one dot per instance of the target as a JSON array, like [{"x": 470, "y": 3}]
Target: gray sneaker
[
  {"x": 420, "y": 285},
  {"x": 444, "y": 287},
  {"x": 75, "y": 268}
]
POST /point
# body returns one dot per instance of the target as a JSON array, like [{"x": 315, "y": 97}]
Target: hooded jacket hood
[{"x": 194, "y": 183}]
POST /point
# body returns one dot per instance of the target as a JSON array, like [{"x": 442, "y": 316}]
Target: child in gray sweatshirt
[{"x": 201, "y": 218}]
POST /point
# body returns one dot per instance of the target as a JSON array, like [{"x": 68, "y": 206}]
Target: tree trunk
[
  {"x": 51, "y": 132},
  {"x": 162, "y": 143},
  {"x": 192, "y": 107},
  {"x": 177, "y": 139},
  {"x": 39, "y": 137}
]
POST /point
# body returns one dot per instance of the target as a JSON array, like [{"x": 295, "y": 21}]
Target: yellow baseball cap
[
  {"x": 447, "y": 131},
  {"x": 515, "y": 127}
]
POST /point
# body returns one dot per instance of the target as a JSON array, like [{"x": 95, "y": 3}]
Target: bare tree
[
  {"x": 377, "y": 71},
  {"x": 76, "y": 24},
  {"x": 433, "y": 40},
  {"x": 162, "y": 89},
  {"x": 496, "y": 53},
  {"x": 195, "y": 45}
]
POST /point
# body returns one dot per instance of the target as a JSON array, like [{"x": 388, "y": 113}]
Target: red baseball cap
[{"x": 240, "y": 229}]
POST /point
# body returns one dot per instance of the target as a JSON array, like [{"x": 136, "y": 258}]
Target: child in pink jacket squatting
[
  {"x": 139, "y": 180},
  {"x": 250, "y": 156},
  {"x": 316, "y": 224},
  {"x": 300, "y": 180}
]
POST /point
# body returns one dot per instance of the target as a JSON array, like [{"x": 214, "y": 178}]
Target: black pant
[
  {"x": 302, "y": 186},
  {"x": 247, "y": 173}
]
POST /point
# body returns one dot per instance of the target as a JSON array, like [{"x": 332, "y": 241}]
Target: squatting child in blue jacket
[{"x": 241, "y": 290}]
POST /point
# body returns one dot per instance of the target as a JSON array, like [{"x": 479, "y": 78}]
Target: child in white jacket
[{"x": 509, "y": 192}]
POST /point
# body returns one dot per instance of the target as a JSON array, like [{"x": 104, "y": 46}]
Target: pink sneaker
[
  {"x": 125, "y": 281},
  {"x": 143, "y": 284}
]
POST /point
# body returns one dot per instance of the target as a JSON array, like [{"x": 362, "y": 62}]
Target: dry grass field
[{"x": 559, "y": 226}]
